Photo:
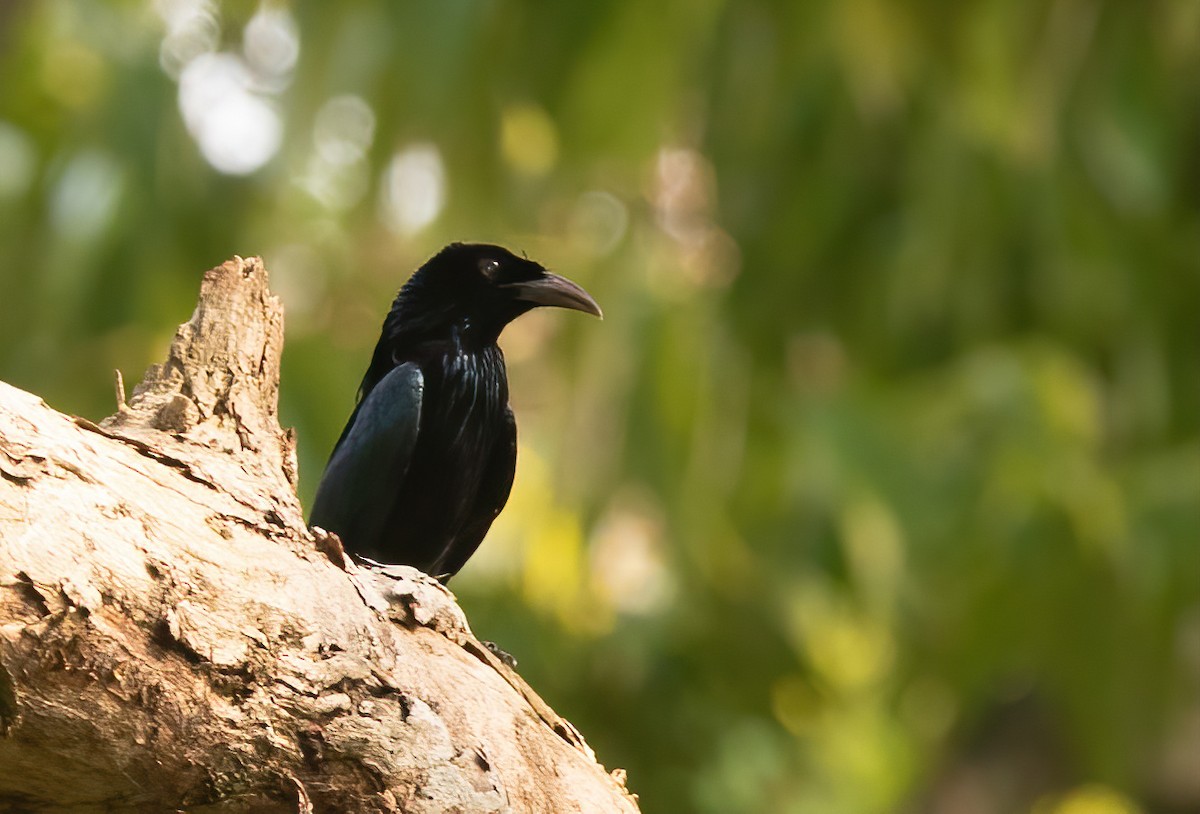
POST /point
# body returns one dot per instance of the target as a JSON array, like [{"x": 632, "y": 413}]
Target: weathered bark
[{"x": 173, "y": 636}]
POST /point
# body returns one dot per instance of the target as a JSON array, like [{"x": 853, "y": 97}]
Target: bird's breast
[
  {"x": 463, "y": 412},
  {"x": 472, "y": 383}
]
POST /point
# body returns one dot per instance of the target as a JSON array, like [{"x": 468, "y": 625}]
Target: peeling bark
[{"x": 173, "y": 636}]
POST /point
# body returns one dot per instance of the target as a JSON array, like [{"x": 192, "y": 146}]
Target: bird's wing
[
  {"x": 493, "y": 493},
  {"x": 369, "y": 462}
]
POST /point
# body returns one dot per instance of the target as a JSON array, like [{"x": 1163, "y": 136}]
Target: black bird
[{"x": 426, "y": 461}]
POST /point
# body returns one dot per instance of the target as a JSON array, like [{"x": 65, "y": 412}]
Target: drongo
[{"x": 426, "y": 460}]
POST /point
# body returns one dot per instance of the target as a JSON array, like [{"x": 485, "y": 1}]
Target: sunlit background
[{"x": 878, "y": 488}]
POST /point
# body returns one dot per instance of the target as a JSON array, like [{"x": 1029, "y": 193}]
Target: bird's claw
[
  {"x": 370, "y": 563},
  {"x": 329, "y": 544},
  {"x": 505, "y": 657}
]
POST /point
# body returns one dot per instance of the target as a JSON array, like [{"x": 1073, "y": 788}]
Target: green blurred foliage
[{"x": 878, "y": 489}]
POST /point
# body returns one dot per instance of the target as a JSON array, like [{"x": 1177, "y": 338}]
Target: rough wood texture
[{"x": 173, "y": 636}]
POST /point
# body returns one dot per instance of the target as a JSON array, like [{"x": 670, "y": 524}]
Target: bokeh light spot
[
  {"x": 74, "y": 74},
  {"x": 86, "y": 196},
  {"x": 344, "y": 129},
  {"x": 599, "y": 222},
  {"x": 529, "y": 139},
  {"x": 628, "y": 561},
  {"x": 413, "y": 191},
  {"x": 237, "y": 130},
  {"x": 1090, "y": 799},
  {"x": 193, "y": 28},
  {"x": 271, "y": 45}
]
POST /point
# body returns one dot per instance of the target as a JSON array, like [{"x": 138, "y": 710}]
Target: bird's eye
[{"x": 490, "y": 268}]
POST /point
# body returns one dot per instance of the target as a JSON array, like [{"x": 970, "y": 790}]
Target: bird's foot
[
  {"x": 505, "y": 657},
  {"x": 331, "y": 546},
  {"x": 370, "y": 563}
]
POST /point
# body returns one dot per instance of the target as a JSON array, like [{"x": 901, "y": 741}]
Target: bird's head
[{"x": 474, "y": 290}]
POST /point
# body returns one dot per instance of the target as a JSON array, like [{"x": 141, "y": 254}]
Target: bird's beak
[{"x": 551, "y": 289}]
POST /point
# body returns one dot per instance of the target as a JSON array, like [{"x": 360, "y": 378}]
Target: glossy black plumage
[{"x": 426, "y": 461}]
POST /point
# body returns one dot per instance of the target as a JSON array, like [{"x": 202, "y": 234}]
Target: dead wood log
[{"x": 172, "y": 636}]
